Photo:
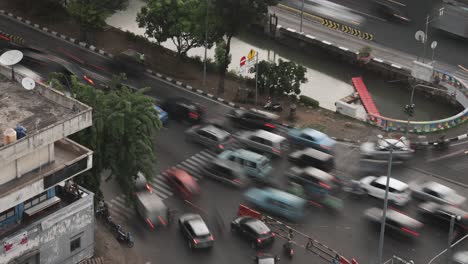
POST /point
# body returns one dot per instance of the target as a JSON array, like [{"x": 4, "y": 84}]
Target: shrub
[{"x": 307, "y": 101}]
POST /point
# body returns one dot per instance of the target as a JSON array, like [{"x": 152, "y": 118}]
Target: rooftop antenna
[
  {"x": 11, "y": 58},
  {"x": 28, "y": 83}
]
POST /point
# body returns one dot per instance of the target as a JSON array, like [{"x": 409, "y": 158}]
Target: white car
[
  {"x": 381, "y": 149},
  {"x": 398, "y": 192},
  {"x": 436, "y": 192}
]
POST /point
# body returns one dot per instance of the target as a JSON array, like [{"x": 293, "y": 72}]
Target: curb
[{"x": 102, "y": 52}]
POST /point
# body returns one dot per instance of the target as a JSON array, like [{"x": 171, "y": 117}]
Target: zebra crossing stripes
[{"x": 119, "y": 210}]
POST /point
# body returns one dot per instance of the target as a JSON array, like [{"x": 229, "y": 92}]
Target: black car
[
  {"x": 391, "y": 12},
  {"x": 254, "y": 230},
  {"x": 254, "y": 119},
  {"x": 195, "y": 231},
  {"x": 265, "y": 258},
  {"x": 441, "y": 214},
  {"x": 182, "y": 109}
]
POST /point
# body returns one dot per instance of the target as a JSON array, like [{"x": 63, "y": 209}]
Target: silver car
[
  {"x": 396, "y": 221},
  {"x": 436, "y": 192},
  {"x": 264, "y": 142},
  {"x": 381, "y": 149},
  {"x": 210, "y": 136},
  {"x": 461, "y": 257}
]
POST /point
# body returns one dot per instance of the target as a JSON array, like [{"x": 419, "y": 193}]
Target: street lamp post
[
  {"x": 302, "y": 15},
  {"x": 428, "y": 21},
  {"x": 409, "y": 109},
  {"x": 387, "y": 186},
  {"x": 206, "y": 43}
]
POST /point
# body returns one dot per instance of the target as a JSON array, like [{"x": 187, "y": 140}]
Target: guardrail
[{"x": 390, "y": 124}]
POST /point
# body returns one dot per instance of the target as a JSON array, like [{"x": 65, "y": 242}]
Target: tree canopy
[
  {"x": 235, "y": 15},
  {"x": 124, "y": 125},
  {"x": 182, "y": 21},
  {"x": 284, "y": 77}
]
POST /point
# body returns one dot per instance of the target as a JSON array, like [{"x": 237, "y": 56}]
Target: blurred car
[
  {"x": 226, "y": 171},
  {"x": 314, "y": 181},
  {"x": 265, "y": 258},
  {"x": 163, "y": 115},
  {"x": 182, "y": 182},
  {"x": 441, "y": 213},
  {"x": 196, "y": 231},
  {"x": 182, "y": 109},
  {"x": 395, "y": 220},
  {"x": 141, "y": 183},
  {"x": 254, "y": 119},
  {"x": 210, "y": 136},
  {"x": 391, "y": 12},
  {"x": 253, "y": 230},
  {"x": 460, "y": 257},
  {"x": 263, "y": 142},
  {"x": 334, "y": 12},
  {"x": 311, "y": 138},
  {"x": 310, "y": 157},
  {"x": 436, "y": 192},
  {"x": 381, "y": 149},
  {"x": 255, "y": 165},
  {"x": 277, "y": 202},
  {"x": 398, "y": 192}
]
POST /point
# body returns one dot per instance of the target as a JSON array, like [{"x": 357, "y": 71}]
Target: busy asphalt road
[
  {"x": 346, "y": 232},
  {"x": 400, "y": 36}
]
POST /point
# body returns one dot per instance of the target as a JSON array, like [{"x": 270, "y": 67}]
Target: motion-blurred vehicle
[
  {"x": 210, "y": 136},
  {"x": 253, "y": 230},
  {"x": 390, "y": 11},
  {"x": 163, "y": 115},
  {"x": 460, "y": 257},
  {"x": 265, "y": 258},
  {"x": 141, "y": 183},
  {"x": 436, "y": 192},
  {"x": 226, "y": 171},
  {"x": 398, "y": 192},
  {"x": 182, "y": 109},
  {"x": 195, "y": 231},
  {"x": 311, "y": 138},
  {"x": 381, "y": 149},
  {"x": 263, "y": 142},
  {"x": 277, "y": 202},
  {"x": 151, "y": 208},
  {"x": 315, "y": 182},
  {"x": 441, "y": 214},
  {"x": 334, "y": 12},
  {"x": 182, "y": 182},
  {"x": 310, "y": 157},
  {"x": 255, "y": 165},
  {"x": 254, "y": 119},
  {"x": 396, "y": 221},
  {"x": 454, "y": 20}
]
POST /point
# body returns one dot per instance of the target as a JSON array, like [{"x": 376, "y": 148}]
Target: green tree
[
  {"x": 235, "y": 15},
  {"x": 282, "y": 78},
  {"x": 92, "y": 14},
  {"x": 182, "y": 21},
  {"x": 124, "y": 124},
  {"x": 220, "y": 58}
]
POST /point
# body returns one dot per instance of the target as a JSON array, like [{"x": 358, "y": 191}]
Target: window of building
[
  {"x": 35, "y": 200},
  {"x": 75, "y": 244},
  {"x": 7, "y": 214}
]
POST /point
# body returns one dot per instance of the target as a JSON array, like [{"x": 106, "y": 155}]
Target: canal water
[{"x": 328, "y": 78}]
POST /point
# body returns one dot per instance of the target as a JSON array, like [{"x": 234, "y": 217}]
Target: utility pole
[
  {"x": 302, "y": 15},
  {"x": 256, "y": 77},
  {"x": 206, "y": 43}
]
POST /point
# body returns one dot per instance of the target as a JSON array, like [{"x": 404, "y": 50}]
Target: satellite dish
[
  {"x": 11, "y": 57},
  {"x": 420, "y": 36},
  {"x": 28, "y": 83},
  {"x": 433, "y": 44}
]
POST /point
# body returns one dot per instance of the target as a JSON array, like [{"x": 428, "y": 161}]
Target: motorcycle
[
  {"x": 276, "y": 107},
  {"x": 288, "y": 249},
  {"x": 125, "y": 237},
  {"x": 102, "y": 210}
]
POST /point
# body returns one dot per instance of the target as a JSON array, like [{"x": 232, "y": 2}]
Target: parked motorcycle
[
  {"x": 125, "y": 237},
  {"x": 288, "y": 248},
  {"x": 102, "y": 210}
]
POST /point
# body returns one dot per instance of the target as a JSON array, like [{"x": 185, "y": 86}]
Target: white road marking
[{"x": 446, "y": 156}]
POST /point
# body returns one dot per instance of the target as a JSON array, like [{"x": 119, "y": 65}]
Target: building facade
[{"x": 44, "y": 217}]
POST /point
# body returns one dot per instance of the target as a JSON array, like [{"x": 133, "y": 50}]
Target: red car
[{"x": 182, "y": 182}]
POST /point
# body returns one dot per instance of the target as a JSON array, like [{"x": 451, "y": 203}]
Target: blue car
[
  {"x": 255, "y": 165},
  {"x": 277, "y": 202},
  {"x": 163, "y": 115},
  {"x": 311, "y": 138}
]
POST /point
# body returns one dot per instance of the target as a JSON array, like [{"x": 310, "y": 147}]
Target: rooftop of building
[{"x": 30, "y": 109}]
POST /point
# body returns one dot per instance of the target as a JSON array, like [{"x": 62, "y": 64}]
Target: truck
[{"x": 454, "y": 20}]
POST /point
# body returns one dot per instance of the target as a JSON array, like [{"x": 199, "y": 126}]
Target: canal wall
[{"x": 455, "y": 91}]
